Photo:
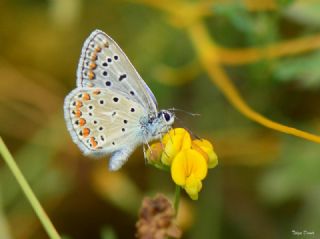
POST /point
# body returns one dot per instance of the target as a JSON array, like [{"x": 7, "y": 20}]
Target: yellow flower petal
[
  {"x": 176, "y": 131},
  {"x": 207, "y": 147},
  {"x": 175, "y": 140},
  {"x": 196, "y": 164},
  {"x": 193, "y": 186},
  {"x": 200, "y": 150},
  {"x": 188, "y": 162},
  {"x": 178, "y": 166}
]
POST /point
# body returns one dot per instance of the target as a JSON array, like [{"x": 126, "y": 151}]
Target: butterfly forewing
[
  {"x": 100, "y": 120},
  {"x": 103, "y": 64}
]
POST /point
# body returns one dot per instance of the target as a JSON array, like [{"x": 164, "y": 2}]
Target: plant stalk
[{"x": 44, "y": 219}]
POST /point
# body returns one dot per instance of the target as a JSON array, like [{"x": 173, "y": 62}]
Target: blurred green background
[{"x": 266, "y": 184}]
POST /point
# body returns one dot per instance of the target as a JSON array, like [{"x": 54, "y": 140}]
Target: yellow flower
[
  {"x": 174, "y": 141},
  {"x": 206, "y": 147},
  {"x": 188, "y": 169},
  {"x": 187, "y": 160}
]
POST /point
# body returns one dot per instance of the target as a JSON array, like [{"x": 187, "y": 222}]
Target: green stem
[
  {"x": 47, "y": 224},
  {"x": 177, "y": 198}
]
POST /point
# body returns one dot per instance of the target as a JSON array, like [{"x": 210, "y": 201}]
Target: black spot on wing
[{"x": 122, "y": 77}]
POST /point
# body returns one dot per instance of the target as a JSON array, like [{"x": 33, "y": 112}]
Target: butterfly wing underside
[
  {"x": 101, "y": 121},
  {"x": 103, "y": 113},
  {"x": 103, "y": 64}
]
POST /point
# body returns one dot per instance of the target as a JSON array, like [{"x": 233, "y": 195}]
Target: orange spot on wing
[
  {"x": 97, "y": 92},
  {"x": 91, "y": 75},
  {"x": 98, "y": 49},
  {"x": 85, "y": 132},
  {"x": 82, "y": 121},
  {"x": 79, "y": 104},
  {"x": 92, "y": 66},
  {"x": 78, "y": 113},
  {"x": 94, "y": 57},
  {"x": 86, "y": 96},
  {"x": 93, "y": 142}
]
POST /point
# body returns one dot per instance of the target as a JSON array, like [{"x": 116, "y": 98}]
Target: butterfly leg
[
  {"x": 145, "y": 155},
  {"x": 162, "y": 145},
  {"x": 119, "y": 158},
  {"x": 144, "y": 151}
]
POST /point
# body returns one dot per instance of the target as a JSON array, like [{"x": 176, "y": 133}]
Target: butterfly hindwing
[
  {"x": 102, "y": 121},
  {"x": 104, "y": 65}
]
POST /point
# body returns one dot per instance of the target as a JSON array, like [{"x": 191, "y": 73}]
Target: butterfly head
[{"x": 166, "y": 117}]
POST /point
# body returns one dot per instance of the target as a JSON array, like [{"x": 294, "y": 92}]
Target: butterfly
[{"x": 112, "y": 111}]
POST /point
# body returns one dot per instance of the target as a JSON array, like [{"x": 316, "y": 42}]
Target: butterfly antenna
[
  {"x": 189, "y": 131},
  {"x": 184, "y": 111}
]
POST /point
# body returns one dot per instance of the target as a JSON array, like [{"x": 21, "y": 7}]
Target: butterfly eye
[{"x": 166, "y": 116}]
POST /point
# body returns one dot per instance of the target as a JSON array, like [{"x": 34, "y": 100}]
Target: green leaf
[
  {"x": 237, "y": 14},
  {"x": 304, "y": 69},
  {"x": 304, "y": 12}
]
